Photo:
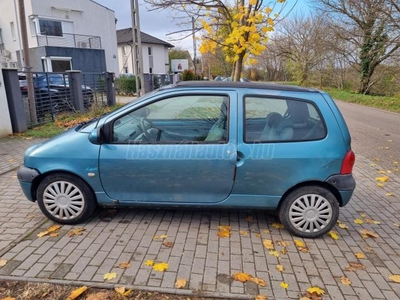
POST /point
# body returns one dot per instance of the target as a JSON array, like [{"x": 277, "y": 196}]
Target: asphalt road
[{"x": 375, "y": 134}]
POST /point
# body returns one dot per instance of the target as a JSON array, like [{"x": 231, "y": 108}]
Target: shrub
[
  {"x": 188, "y": 75},
  {"x": 125, "y": 85}
]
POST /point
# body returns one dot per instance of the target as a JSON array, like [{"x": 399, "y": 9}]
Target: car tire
[
  {"x": 309, "y": 211},
  {"x": 65, "y": 199}
]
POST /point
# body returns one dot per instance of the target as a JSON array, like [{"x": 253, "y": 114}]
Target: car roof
[{"x": 244, "y": 85}]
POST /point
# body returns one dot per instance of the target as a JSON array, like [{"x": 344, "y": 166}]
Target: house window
[
  {"x": 126, "y": 70},
  {"x": 12, "y": 31},
  {"x": 149, "y": 51},
  {"x": 49, "y": 27},
  {"x": 125, "y": 50}
]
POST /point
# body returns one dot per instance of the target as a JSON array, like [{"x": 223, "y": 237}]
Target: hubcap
[
  {"x": 310, "y": 213},
  {"x": 63, "y": 200}
]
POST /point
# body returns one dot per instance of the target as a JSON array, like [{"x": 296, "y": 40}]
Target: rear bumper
[{"x": 345, "y": 184}]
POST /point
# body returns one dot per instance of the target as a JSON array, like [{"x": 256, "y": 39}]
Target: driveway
[{"x": 187, "y": 240}]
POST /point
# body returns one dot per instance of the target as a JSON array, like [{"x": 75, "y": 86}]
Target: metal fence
[
  {"x": 70, "y": 40},
  {"x": 54, "y": 93}
]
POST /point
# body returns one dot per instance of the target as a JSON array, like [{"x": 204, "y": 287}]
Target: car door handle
[{"x": 240, "y": 158}]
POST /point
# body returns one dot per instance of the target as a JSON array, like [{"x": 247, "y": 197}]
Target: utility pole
[
  {"x": 194, "y": 47},
  {"x": 137, "y": 49},
  {"x": 27, "y": 64}
]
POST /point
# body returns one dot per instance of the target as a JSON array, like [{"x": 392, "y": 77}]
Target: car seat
[{"x": 277, "y": 128}]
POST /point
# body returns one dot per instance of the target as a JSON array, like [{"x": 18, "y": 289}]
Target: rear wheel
[
  {"x": 65, "y": 199},
  {"x": 309, "y": 211}
]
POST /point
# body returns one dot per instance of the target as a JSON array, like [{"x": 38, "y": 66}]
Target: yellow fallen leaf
[
  {"x": 258, "y": 281},
  {"x": 380, "y": 184},
  {"x": 278, "y": 225},
  {"x": 357, "y": 265},
  {"x": 223, "y": 234},
  {"x": 160, "y": 237},
  {"x": 359, "y": 255},
  {"x": 395, "y": 278},
  {"x": 345, "y": 280},
  {"x": 395, "y": 162},
  {"x": 373, "y": 165},
  {"x": 243, "y": 232},
  {"x": 54, "y": 234},
  {"x": 381, "y": 172},
  {"x": 299, "y": 243},
  {"x": 358, "y": 221},
  {"x": 225, "y": 227},
  {"x": 249, "y": 218},
  {"x": 369, "y": 233},
  {"x": 268, "y": 244},
  {"x": 53, "y": 228},
  {"x": 9, "y": 298},
  {"x": 168, "y": 244},
  {"x": 161, "y": 267},
  {"x": 284, "y": 251},
  {"x": 342, "y": 225},
  {"x": 242, "y": 277},
  {"x": 396, "y": 225},
  {"x": 333, "y": 234},
  {"x": 258, "y": 235},
  {"x": 180, "y": 283},
  {"x": 76, "y": 293},
  {"x": 280, "y": 268},
  {"x": 369, "y": 221},
  {"x": 76, "y": 231},
  {"x": 274, "y": 253},
  {"x": 266, "y": 231},
  {"x": 127, "y": 293},
  {"x": 124, "y": 265},
  {"x": 389, "y": 194},
  {"x": 363, "y": 215},
  {"x": 376, "y": 159},
  {"x": 382, "y": 179},
  {"x": 149, "y": 262},
  {"x": 283, "y": 243},
  {"x": 316, "y": 290},
  {"x": 261, "y": 297},
  {"x": 284, "y": 285},
  {"x": 3, "y": 262},
  {"x": 110, "y": 276},
  {"x": 120, "y": 290}
]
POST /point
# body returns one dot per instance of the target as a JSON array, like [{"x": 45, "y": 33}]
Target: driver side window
[{"x": 175, "y": 120}]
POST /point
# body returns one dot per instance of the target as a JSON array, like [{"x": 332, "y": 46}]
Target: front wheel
[
  {"x": 65, "y": 199},
  {"x": 309, "y": 211}
]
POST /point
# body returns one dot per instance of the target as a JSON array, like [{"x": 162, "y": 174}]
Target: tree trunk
[{"x": 238, "y": 68}]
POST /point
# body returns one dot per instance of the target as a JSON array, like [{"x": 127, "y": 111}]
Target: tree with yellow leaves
[{"x": 239, "y": 27}]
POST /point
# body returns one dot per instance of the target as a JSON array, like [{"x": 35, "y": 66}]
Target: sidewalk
[{"x": 197, "y": 254}]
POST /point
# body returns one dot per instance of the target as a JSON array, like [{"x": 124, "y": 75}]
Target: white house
[
  {"x": 62, "y": 35},
  {"x": 154, "y": 53}
]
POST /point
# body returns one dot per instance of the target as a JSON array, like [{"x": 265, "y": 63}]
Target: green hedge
[{"x": 125, "y": 85}]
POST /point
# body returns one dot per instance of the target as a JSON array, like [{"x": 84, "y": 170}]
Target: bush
[
  {"x": 125, "y": 85},
  {"x": 188, "y": 75}
]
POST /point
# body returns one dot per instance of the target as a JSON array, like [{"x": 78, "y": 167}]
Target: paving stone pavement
[{"x": 201, "y": 257}]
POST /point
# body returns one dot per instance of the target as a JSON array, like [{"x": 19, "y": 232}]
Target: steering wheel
[{"x": 145, "y": 128}]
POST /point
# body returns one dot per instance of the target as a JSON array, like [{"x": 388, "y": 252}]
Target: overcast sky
[{"x": 158, "y": 23}]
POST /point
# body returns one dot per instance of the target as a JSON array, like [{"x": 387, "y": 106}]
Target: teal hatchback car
[{"x": 233, "y": 145}]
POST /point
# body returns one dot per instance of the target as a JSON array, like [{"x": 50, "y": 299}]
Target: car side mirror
[{"x": 95, "y": 137}]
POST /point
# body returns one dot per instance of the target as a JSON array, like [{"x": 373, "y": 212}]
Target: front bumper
[
  {"x": 26, "y": 176},
  {"x": 345, "y": 184}
]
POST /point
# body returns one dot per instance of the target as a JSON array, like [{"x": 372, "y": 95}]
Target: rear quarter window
[{"x": 281, "y": 120}]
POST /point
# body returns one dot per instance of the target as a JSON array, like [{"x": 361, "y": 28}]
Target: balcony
[{"x": 70, "y": 40}]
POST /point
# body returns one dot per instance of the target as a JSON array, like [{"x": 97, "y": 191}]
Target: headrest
[{"x": 273, "y": 119}]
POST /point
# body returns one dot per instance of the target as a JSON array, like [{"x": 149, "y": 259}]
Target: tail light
[{"x": 348, "y": 163}]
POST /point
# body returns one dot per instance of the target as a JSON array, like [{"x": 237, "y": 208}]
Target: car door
[
  {"x": 179, "y": 149},
  {"x": 281, "y": 143}
]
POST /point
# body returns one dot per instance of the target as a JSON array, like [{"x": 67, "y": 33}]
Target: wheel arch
[
  {"x": 36, "y": 182},
  {"x": 322, "y": 184}
]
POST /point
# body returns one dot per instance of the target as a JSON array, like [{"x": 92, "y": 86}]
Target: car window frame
[
  {"x": 322, "y": 119},
  {"x": 110, "y": 125}
]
